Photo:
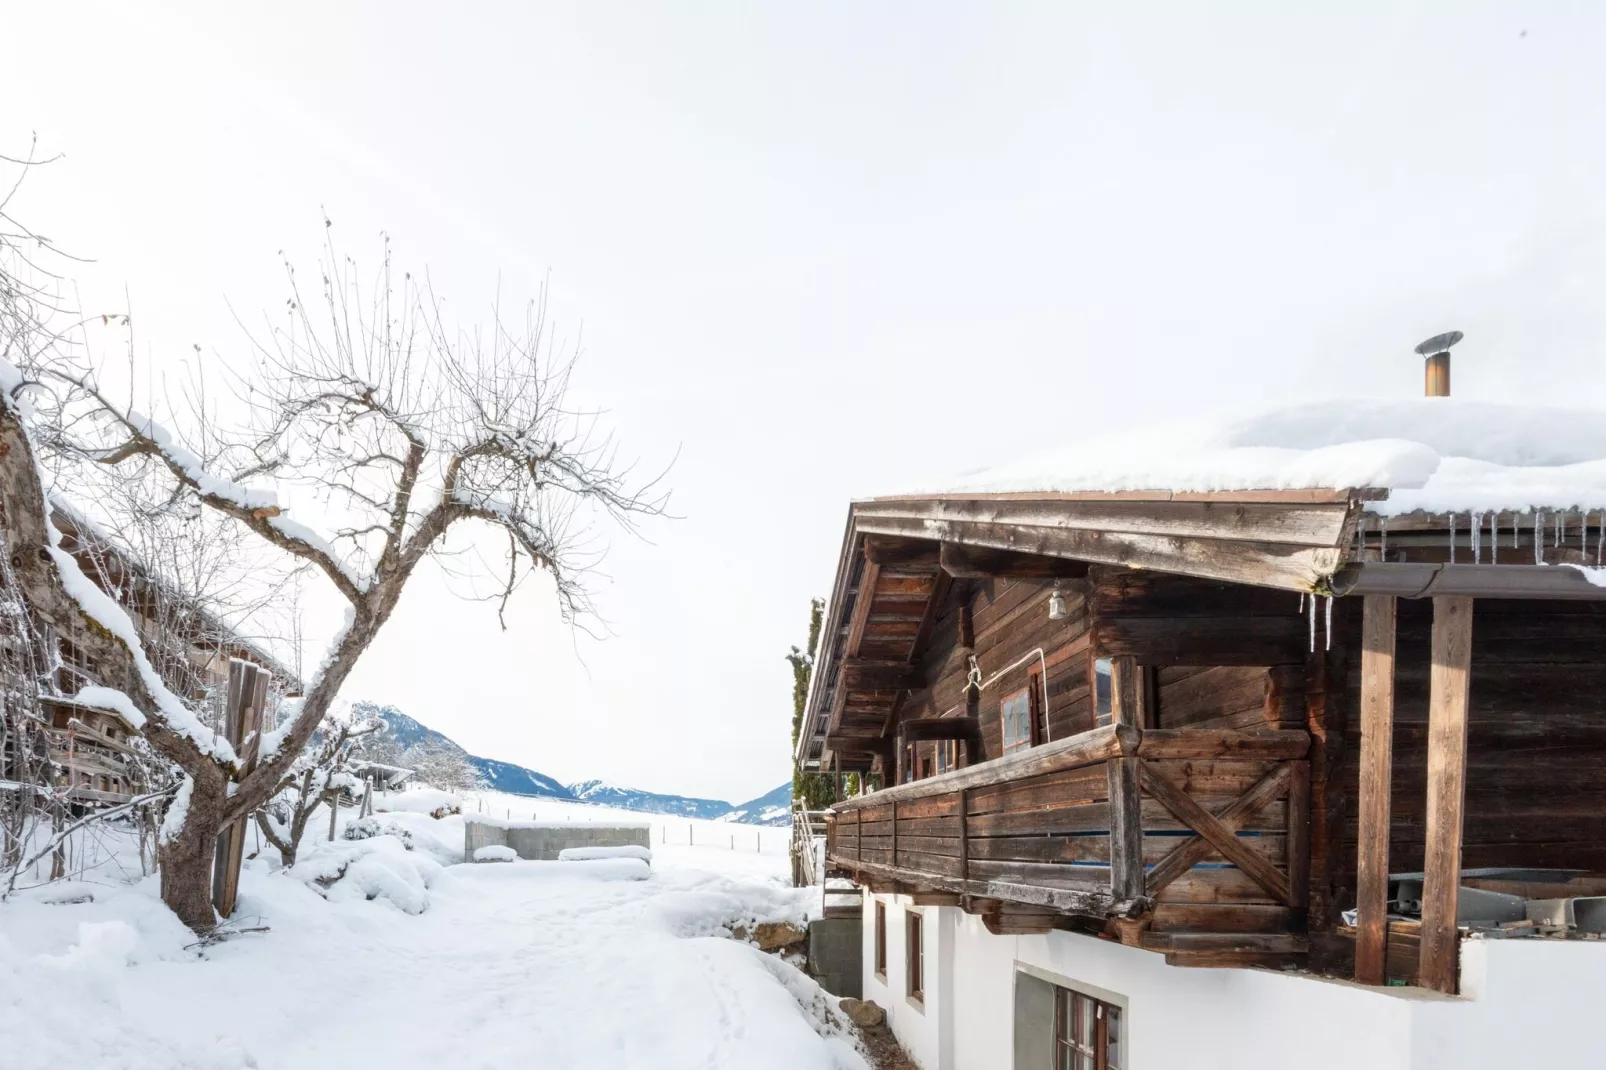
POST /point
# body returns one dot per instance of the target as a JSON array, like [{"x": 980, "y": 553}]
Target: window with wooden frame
[
  {"x": 881, "y": 940},
  {"x": 1087, "y": 1032},
  {"x": 947, "y": 755},
  {"x": 908, "y": 763},
  {"x": 1015, "y": 718},
  {"x": 1103, "y": 671},
  {"x": 915, "y": 955}
]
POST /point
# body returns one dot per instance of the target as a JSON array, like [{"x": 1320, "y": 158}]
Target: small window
[
  {"x": 947, "y": 755},
  {"x": 881, "y": 940},
  {"x": 1103, "y": 691},
  {"x": 909, "y": 763},
  {"x": 1015, "y": 714},
  {"x": 1087, "y": 1032},
  {"x": 915, "y": 951}
]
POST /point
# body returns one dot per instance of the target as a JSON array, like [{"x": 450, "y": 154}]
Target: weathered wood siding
[
  {"x": 1536, "y": 793},
  {"x": 1009, "y": 619}
]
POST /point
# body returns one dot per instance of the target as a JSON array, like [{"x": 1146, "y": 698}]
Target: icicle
[
  {"x": 1383, "y": 537},
  {"x": 1539, "y": 537},
  {"x": 1561, "y": 526},
  {"x": 1494, "y": 537},
  {"x": 1600, "y": 541},
  {"x": 1452, "y": 538},
  {"x": 1516, "y": 521},
  {"x": 1313, "y": 624},
  {"x": 1477, "y": 527},
  {"x": 1360, "y": 538},
  {"x": 1328, "y": 625}
]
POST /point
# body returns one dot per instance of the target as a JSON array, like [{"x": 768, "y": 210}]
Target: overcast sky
[{"x": 827, "y": 250}]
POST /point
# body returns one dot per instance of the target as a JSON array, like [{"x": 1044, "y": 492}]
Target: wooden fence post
[
  {"x": 246, "y": 697},
  {"x": 1377, "y": 745},
  {"x": 1447, "y": 776}
]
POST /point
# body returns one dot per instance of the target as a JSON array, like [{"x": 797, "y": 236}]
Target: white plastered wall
[
  {"x": 925, "y": 1029},
  {"x": 1526, "y": 1002}
]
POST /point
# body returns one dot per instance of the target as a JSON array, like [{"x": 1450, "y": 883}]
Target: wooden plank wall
[
  {"x": 1536, "y": 738},
  {"x": 1010, "y": 619}
]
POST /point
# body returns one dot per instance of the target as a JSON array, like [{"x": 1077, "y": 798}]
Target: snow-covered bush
[
  {"x": 378, "y": 868},
  {"x": 366, "y": 828}
]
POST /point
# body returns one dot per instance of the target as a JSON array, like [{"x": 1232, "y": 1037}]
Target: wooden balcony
[{"x": 1192, "y": 830}]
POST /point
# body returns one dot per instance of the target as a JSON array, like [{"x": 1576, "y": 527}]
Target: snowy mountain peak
[{"x": 770, "y": 809}]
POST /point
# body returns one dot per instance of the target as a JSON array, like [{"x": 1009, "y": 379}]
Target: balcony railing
[{"x": 1205, "y": 830}]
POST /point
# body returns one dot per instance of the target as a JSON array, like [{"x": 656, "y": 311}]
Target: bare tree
[
  {"x": 319, "y": 775},
  {"x": 441, "y": 765},
  {"x": 401, "y": 430}
]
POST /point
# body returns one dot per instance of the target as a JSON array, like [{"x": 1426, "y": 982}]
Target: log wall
[{"x": 1536, "y": 747}]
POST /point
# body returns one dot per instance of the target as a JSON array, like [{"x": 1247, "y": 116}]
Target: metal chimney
[{"x": 1437, "y": 351}]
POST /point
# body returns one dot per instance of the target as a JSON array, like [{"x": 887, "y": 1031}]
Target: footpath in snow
[{"x": 412, "y": 959}]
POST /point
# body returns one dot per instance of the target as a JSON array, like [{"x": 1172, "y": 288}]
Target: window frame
[
  {"x": 1103, "y": 705},
  {"x": 914, "y": 956},
  {"x": 880, "y": 938},
  {"x": 1074, "y": 1011},
  {"x": 1010, "y": 713}
]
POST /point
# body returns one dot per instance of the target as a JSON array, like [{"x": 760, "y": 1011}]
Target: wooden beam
[
  {"x": 1447, "y": 775},
  {"x": 1223, "y": 743},
  {"x": 1126, "y": 828},
  {"x": 872, "y": 674},
  {"x": 1071, "y": 900},
  {"x": 861, "y": 608},
  {"x": 1085, "y": 748},
  {"x": 901, "y": 553},
  {"x": 1293, "y": 547},
  {"x": 918, "y": 729},
  {"x": 935, "y": 899},
  {"x": 981, "y": 562},
  {"x": 1220, "y": 837},
  {"x": 1377, "y": 745}
]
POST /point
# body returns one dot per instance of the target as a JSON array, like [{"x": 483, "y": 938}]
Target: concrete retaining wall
[{"x": 543, "y": 842}]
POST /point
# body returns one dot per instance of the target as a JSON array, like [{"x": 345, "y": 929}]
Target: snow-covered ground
[{"x": 415, "y": 959}]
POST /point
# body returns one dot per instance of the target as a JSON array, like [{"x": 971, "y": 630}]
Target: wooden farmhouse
[
  {"x": 1319, "y": 696},
  {"x": 86, "y": 753}
]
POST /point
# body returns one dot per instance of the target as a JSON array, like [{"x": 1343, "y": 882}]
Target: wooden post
[
  {"x": 1377, "y": 748},
  {"x": 246, "y": 697},
  {"x": 1126, "y": 828},
  {"x": 1447, "y": 784},
  {"x": 1299, "y": 844},
  {"x": 894, "y": 832},
  {"x": 1126, "y": 812},
  {"x": 1126, "y": 691},
  {"x": 964, "y": 834}
]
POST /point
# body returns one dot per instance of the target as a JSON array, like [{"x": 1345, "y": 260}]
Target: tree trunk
[{"x": 187, "y": 858}]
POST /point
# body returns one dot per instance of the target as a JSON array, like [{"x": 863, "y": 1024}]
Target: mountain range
[{"x": 771, "y": 808}]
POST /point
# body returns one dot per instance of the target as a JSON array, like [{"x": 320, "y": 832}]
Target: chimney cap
[{"x": 1439, "y": 343}]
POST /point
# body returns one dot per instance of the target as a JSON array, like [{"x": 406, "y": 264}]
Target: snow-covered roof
[{"x": 1431, "y": 454}]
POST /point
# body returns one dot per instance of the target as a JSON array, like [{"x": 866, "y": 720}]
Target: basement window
[
  {"x": 1087, "y": 1032},
  {"x": 1015, "y": 715}
]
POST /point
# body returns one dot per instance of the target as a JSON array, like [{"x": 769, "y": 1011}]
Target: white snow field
[{"x": 414, "y": 959}]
